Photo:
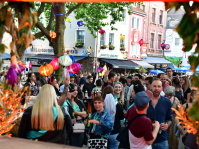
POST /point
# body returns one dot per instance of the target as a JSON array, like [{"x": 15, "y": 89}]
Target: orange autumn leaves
[
  {"x": 17, "y": 19},
  {"x": 10, "y": 107},
  {"x": 181, "y": 115}
]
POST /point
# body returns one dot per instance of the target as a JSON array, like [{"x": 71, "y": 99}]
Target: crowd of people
[{"x": 144, "y": 102}]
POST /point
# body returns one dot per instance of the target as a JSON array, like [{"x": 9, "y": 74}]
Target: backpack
[{"x": 123, "y": 136}]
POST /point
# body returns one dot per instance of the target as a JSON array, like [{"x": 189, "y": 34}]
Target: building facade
[{"x": 173, "y": 39}]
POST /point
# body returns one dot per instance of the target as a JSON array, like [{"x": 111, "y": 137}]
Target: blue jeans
[
  {"x": 161, "y": 145},
  {"x": 112, "y": 142}
]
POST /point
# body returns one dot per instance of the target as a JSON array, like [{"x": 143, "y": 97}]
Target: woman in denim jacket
[{"x": 101, "y": 123}]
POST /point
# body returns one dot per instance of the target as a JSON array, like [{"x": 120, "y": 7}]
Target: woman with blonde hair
[
  {"x": 45, "y": 120},
  {"x": 186, "y": 88}
]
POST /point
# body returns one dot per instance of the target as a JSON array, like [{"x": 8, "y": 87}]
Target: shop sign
[{"x": 109, "y": 55}]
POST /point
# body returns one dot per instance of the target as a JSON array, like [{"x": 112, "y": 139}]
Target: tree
[{"x": 91, "y": 13}]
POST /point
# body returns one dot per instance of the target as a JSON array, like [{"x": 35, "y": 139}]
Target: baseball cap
[
  {"x": 141, "y": 99},
  {"x": 129, "y": 77}
]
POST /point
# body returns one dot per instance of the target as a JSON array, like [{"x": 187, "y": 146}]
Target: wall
[{"x": 156, "y": 27}]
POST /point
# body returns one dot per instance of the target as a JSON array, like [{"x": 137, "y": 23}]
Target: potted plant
[
  {"x": 122, "y": 48},
  {"x": 111, "y": 47},
  {"x": 79, "y": 44},
  {"x": 103, "y": 46}
]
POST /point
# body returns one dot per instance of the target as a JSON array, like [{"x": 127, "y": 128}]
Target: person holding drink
[{"x": 101, "y": 123}]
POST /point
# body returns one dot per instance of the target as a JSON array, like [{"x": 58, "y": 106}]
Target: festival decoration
[
  {"x": 101, "y": 31},
  {"x": 65, "y": 60},
  {"x": 191, "y": 127},
  {"x": 100, "y": 69},
  {"x": 80, "y": 23},
  {"x": 46, "y": 69},
  {"x": 10, "y": 107},
  {"x": 67, "y": 19},
  {"x": 74, "y": 68},
  {"x": 122, "y": 37},
  {"x": 72, "y": 58},
  {"x": 141, "y": 42},
  {"x": 55, "y": 63},
  {"x": 30, "y": 65},
  {"x": 52, "y": 34},
  {"x": 163, "y": 46},
  {"x": 19, "y": 68},
  {"x": 11, "y": 76}
]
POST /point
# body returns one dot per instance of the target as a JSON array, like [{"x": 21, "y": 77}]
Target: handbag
[
  {"x": 97, "y": 143},
  {"x": 123, "y": 136},
  {"x": 78, "y": 128}
]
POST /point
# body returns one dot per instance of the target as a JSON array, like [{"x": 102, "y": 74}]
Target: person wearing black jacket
[
  {"x": 78, "y": 112},
  {"x": 46, "y": 121},
  {"x": 88, "y": 87}
]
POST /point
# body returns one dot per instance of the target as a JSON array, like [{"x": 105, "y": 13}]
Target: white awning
[{"x": 142, "y": 63}]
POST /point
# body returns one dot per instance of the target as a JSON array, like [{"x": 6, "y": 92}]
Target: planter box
[
  {"x": 103, "y": 47},
  {"x": 79, "y": 46},
  {"x": 121, "y": 49},
  {"x": 111, "y": 48}
]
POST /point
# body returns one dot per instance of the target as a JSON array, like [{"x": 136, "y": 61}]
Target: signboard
[
  {"x": 109, "y": 55},
  {"x": 135, "y": 36}
]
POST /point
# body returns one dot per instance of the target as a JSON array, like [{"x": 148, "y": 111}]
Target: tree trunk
[{"x": 58, "y": 42}]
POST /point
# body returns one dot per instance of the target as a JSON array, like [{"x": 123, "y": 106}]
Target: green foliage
[
  {"x": 94, "y": 14},
  {"x": 141, "y": 69},
  {"x": 175, "y": 60},
  {"x": 79, "y": 43},
  {"x": 2, "y": 48}
]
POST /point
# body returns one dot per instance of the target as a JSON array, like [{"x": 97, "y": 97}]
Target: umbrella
[
  {"x": 186, "y": 69},
  {"x": 156, "y": 71},
  {"x": 171, "y": 65}
]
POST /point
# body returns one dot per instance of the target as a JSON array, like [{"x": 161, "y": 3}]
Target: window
[
  {"x": 102, "y": 39},
  {"x": 136, "y": 22},
  {"x": 124, "y": 16},
  {"x": 122, "y": 43},
  {"x": 111, "y": 38},
  {"x": 153, "y": 15},
  {"x": 143, "y": 7},
  {"x": 80, "y": 35},
  {"x": 133, "y": 22},
  {"x": 152, "y": 40},
  {"x": 177, "y": 41},
  {"x": 161, "y": 17},
  {"x": 138, "y": 6},
  {"x": 159, "y": 41}
]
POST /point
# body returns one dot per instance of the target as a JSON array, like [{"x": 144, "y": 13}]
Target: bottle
[
  {"x": 86, "y": 94},
  {"x": 88, "y": 120}
]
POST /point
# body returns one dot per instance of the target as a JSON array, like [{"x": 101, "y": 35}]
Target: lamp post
[{"x": 163, "y": 46}]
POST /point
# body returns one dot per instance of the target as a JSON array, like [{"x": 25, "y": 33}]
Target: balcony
[{"x": 155, "y": 52}]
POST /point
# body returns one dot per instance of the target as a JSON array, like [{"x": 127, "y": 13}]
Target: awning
[
  {"x": 142, "y": 63},
  {"x": 156, "y": 60},
  {"x": 78, "y": 58},
  {"x": 42, "y": 56},
  {"x": 5, "y": 56},
  {"x": 121, "y": 64}
]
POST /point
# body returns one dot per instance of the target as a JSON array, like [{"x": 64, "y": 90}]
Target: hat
[
  {"x": 141, "y": 99},
  {"x": 129, "y": 77}
]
